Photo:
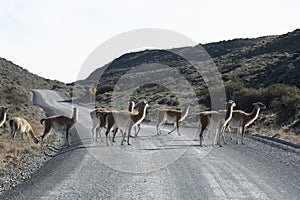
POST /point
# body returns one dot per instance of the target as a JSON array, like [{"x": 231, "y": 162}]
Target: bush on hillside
[{"x": 283, "y": 100}]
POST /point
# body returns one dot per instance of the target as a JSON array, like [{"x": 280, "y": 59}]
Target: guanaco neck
[
  {"x": 131, "y": 106},
  {"x": 229, "y": 112},
  {"x": 142, "y": 111},
  {"x": 32, "y": 133},
  {"x": 184, "y": 113},
  {"x": 253, "y": 115},
  {"x": 3, "y": 117},
  {"x": 141, "y": 114}
]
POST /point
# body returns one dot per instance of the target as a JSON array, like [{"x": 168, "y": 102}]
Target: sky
[{"x": 53, "y": 38}]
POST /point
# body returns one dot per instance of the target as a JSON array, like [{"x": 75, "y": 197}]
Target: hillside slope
[
  {"x": 261, "y": 69},
  {"x": 250, "y": 60},
  {"x": 16, "y": 83},
  {"x": 15, "y": 86}
]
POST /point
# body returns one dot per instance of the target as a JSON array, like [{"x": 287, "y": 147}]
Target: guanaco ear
[{"x": 262, "y": 106}]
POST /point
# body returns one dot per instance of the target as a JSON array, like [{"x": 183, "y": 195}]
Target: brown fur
[
  {"x": 59, "y": 123},
  {"x": 129, "y": 118},
  {"x": 171, "y": 115},
  {"x": 21, "y": 125},
  {"x": 241, "y": 119},
  {"x": 95, "y": 116},
  {"x": 131, "y": 109},
  {"x": 220, "y": 117},
  {"x": 101, "y": 117}
]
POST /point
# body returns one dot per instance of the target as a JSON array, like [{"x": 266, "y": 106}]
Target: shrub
[
  {"x": 105, "y": 88},
  {"x": 280, "y": 99}
]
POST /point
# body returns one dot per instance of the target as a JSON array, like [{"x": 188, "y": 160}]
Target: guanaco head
[
  {"x": 231, "y": 103},
  {"x": 131, "y": 105},
  {"x": 41, "y": 141},
  {"x": 142, "y": 106},
  {"x": 259, "y": 105},
  {"x": 36, "y": 140},
  {"x": 75, "y": 109}
]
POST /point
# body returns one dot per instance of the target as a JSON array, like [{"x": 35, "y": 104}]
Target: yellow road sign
[{"x": 93, "y": 90}]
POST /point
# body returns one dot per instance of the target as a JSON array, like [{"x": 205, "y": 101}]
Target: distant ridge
[{"x": 224, "y": 53}]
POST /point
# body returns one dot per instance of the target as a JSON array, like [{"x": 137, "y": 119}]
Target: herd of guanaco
[
  {"x": 125, "y": 120},
  {"x": 212, "y": 120}
]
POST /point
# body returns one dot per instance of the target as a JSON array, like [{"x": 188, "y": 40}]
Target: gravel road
[{"x": 158, "y": 167}]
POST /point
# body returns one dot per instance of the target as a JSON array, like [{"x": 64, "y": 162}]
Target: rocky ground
[{"x": 28, "y": 166}]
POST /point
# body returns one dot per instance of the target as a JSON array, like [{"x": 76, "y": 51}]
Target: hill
[
  {"x": 15, "y": 86},
  {"x": 260, "y": 69}
]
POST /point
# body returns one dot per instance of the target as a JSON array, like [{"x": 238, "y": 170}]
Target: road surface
[{"x": 158, "y": 167}]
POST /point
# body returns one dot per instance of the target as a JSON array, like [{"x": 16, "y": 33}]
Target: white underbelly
[
  {"x": 171, "y": 119},
  {"x": 57, "y": 127},
  {"x": 122, "y": 122},
  {"x": 235, "y": 123},
  {"x": 213, "y": 123},
  {"x": 22, "y": 128}
]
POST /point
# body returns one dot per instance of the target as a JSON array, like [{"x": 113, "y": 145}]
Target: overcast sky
[{"x": 53, "y": 38}]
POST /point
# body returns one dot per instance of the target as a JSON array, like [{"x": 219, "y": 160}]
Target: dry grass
[
  {"x": 12, "y": 154},
  {"x": 282, "y": 133}
]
